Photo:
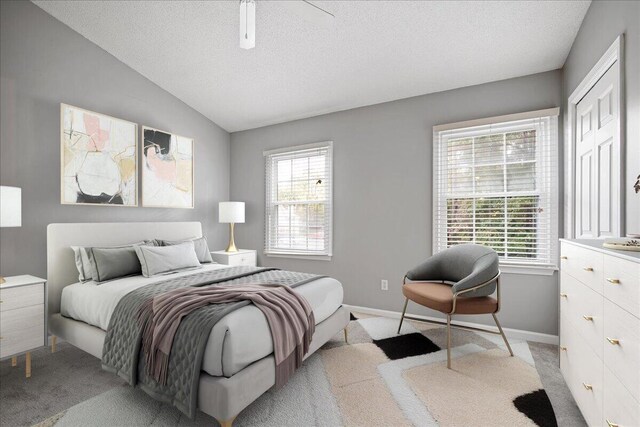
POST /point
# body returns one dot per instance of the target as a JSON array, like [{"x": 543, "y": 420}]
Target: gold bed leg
[
  {"x": 53, "y": 343},
  {"x": 14, "y": 361},
  {"x": 27, "y": 369},
  {"x": 346, "y": 336},
  {"x": 226, "y": 423}
]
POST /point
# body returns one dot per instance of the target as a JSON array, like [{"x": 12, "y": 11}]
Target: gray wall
[
  {"x": 604, "y": 21},
  {"x": 382, "y": 191},
  {"x": 44, "y": 63}
]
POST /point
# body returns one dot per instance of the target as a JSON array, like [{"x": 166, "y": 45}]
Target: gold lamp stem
[{"x": 232, "y": 243}]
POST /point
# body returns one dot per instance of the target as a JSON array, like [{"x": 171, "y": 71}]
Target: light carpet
[{"x": 379, "y": 379}]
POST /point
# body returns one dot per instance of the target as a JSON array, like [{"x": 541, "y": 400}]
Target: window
[
  {"x": 299, "y": 201},
  {"x": 496, "y": 184}
]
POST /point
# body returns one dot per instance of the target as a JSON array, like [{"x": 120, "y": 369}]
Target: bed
[{"x": 238, "y": 364}]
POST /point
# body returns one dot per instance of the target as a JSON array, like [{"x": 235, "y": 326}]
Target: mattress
[{"x": 237, "y": 340}]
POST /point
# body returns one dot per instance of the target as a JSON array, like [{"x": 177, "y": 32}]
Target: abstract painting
[
  {"x": 98, "y": 159},
  {"x": 167, "y": 170}
]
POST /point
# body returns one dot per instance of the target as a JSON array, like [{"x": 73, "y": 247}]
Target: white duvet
[{"x": 237, "y": 340}]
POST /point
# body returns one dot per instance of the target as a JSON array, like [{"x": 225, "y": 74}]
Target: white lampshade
[
  {"x": 231, "y": 212},
  {"x": 10, "y": 206}
]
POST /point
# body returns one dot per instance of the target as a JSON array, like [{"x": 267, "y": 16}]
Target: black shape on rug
[
  {"x": 537, "y": 407},
  {"x": 406, "y": 346},
  {"x": 352, "y": 317}
]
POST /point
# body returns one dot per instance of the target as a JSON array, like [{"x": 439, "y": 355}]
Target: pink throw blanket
[{"x": 288, "y": 314}]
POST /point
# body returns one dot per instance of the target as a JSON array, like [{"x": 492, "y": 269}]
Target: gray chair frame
[{"x": 495, "y": 279}]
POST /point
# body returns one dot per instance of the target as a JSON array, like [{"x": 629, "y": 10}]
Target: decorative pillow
[
  {"x": 112, "y": 263},
  {"x": 167, "y": 259},
  {"x": 200, "y": 245},
  {"x": 88, "y": 264}
]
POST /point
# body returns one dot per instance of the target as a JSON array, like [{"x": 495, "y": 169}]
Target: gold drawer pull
[
  {"x": 587, "y": 386},
  {"x": 611, "y": 424},
  {"x": 563, "y": 295},
  {"x": 562, "y": 348},
  {"x": 614, "y": 281},
  {"x": 563, "y": 257},
  {"x": 613, "y": 341},
  {"x": 588, "y": 269},
  {"x": 589, "y": 318}
]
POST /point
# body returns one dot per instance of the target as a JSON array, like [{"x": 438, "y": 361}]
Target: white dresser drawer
[
  {"x": 622, "y": 353},
  {"x": 583, "y": 307},
  {"x": 622, "y": 283},
  {"x": 21, "y": 330},
  {"x": 582, "y": 371},
  {"x": 21, "y": 296},
  {"x": 583, "y": 264},
  {"x": 620, "y": 408}
]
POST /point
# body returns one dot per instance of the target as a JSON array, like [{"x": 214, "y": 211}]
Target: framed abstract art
[
  {"x": 167, "y": 169},
  {"x": 98, "y": 159}
]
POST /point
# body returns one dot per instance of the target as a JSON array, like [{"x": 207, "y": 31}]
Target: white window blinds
[
  {"x": 299, "y": 200},
  {"x": 496, "y": 184}
]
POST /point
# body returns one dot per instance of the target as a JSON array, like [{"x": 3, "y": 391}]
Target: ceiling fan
[{"x": 303, "y": 8}]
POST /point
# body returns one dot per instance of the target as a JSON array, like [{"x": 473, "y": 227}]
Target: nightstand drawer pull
[
  {"x": 587, "y": 386},
  {"x": 588, "y": 318},
  {"x": 613, "y": 281},
  {"x": 613, "y": 341},
  {"x": 563, "y": 257},
  {"x": 588, "y": 268},
  {"x": 562, "y": 348},
  {"x": 611, "y": 424},
  {"x": 563, "y": 295}
]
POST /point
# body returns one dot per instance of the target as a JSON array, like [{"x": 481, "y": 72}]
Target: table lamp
[
  {"x": 10, "y": 209},
  {"x": 232, "y": 213}
]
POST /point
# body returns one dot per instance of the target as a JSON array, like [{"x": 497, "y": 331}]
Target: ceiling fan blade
[{"x": 310, "y": 12}]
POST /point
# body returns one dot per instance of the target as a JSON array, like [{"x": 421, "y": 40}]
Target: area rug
[{"x": 380, "y": 378}]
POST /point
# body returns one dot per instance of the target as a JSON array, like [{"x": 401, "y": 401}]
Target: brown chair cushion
[{"x": 438, "y": 296}]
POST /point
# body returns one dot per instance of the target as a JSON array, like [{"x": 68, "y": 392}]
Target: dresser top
[
  {"x": 596, "y": 244},
  {"x": 14, "y": 281}
]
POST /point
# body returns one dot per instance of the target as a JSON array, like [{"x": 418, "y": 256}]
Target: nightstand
[
  {"x": 23, "y": 314},
  {"x": 242, "y": 257}
]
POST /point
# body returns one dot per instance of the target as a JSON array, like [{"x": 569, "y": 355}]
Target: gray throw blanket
[
  {"x": 122, "y": 345},
  {"x": 288, "y": 314}
]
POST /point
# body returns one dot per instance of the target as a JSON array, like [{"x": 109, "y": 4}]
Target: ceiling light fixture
[{"x": 247, "y": 24}]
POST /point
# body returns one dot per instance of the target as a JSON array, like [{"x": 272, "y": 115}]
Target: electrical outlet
[{"x": 384, "y": 285}]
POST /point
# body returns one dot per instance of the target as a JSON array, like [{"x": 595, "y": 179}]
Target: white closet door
[{"x": 598, "y": 160}]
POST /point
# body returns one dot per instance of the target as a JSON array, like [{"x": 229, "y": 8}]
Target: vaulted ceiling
[{"x": 372, "y": 52}]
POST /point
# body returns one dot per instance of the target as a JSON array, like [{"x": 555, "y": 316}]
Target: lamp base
[{"x": 232, "y": 243}]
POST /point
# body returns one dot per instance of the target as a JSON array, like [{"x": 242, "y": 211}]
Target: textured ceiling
[{"x": 373, "y": 51}]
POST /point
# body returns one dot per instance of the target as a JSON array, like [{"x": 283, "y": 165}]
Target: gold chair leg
[
  {"x": 448, "y": 341},
  {"x": 53, "y": 343},
  {"x": 14, "y": 361},
  {"x": 404, "y": 310},
  {"x": 346, "y": 336},
  {"x": 27, "y": 369},
  {"x": 226, "y": 423},
  {"x": 504, "y": 337}
]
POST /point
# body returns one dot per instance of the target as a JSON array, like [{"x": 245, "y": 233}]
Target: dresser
[
  {"x": 246, "y": 257},
  {"x": 23, "y": 302},
  {"x": 600, "y": 331}
]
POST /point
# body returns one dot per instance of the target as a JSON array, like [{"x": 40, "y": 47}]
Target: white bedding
[{"x": 237, "y": 340}]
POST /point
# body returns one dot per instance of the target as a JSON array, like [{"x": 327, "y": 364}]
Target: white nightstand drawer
[
  {"x": 21, "y": 330},
  {"x": 242, "y": 257},
  {"x": 248, "y": 258},
  {"x": 21, "y": 296}
]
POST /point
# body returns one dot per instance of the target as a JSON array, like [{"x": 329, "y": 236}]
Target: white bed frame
[{"x": 221, "y": 397}]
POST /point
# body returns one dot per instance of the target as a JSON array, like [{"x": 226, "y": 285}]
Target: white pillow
[{"x": 166, "y": 259}]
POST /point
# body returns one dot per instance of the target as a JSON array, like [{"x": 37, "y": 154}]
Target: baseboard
[{"x": 511, "y": 333}]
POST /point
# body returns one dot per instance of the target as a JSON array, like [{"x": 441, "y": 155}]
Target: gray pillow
[
  {"x": 166, "y": 259},
  {"x": 88, "y": 261},
  {"x": 112, "y": 263},
  {"x": 200, "y": 245}
]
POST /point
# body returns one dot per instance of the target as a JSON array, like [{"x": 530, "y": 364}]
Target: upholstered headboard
[{"x": 61, "y": 267}]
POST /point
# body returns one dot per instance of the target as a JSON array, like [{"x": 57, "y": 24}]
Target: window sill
[
  {"x": 298, "y": 256},
  {"x": 530, "y": 270}
]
